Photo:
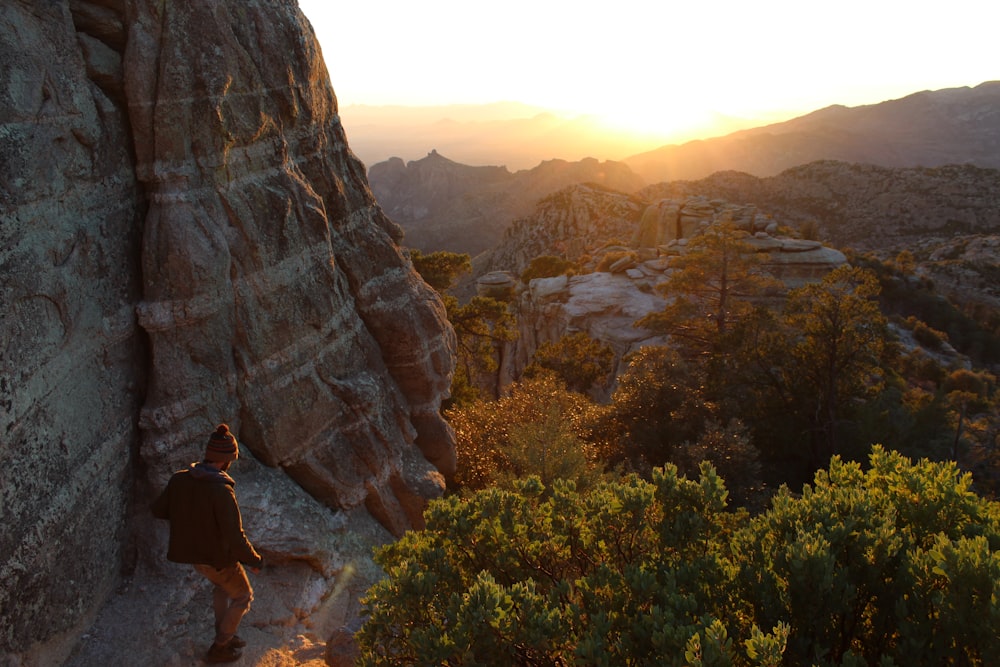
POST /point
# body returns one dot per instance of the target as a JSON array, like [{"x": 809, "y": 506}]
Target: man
[{"x": 206, "y": 530}]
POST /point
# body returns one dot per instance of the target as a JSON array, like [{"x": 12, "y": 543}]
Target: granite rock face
[
  {"x": 72, "y": 358},
  {"x": 187, "y": 239},
  {"x": 602, "y": 304},
  {"x": 274, "y": 294}
]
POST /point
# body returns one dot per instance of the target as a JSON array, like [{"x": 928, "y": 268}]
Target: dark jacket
[{"x": 205, "y": 522}]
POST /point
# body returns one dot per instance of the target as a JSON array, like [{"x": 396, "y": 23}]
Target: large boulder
[{"x": 603, "y": 305}]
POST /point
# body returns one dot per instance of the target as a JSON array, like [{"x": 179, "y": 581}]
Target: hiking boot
[
  {"x": 236, "y": 642},
  {"x": 224, "y": 653}
]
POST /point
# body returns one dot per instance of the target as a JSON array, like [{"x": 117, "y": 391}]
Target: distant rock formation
[
  {"x": 584, "y": 223},
  {"x": 602, "y": 304},
  {"x": 444, "y": 205},
  {"x": 926, "y": 129},
  {"x": 862, "y": 206},
  {"x": 619, "y": 279},
  {"x": 187, "y": 239},
  {"x": 566, "y": 223}
]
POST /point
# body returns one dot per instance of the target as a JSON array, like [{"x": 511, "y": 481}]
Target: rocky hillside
[
  {"x": 926, "y": 129},
  {"x": 444, "y": 205},
  {"x": 864, "y": 206},
  {"x": 625, "y": 247},
  {"x": 946, "y": 216},
  {"x": 566, "y": 223},
  {"x": 186, "y": 239}
]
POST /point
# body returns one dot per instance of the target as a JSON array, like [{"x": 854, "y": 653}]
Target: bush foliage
[{"x": 893, "y": 565}]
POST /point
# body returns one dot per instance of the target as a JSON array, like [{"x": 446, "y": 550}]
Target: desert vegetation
[
  {"x": 789, "y": 482},
  {"x": 892, "y": 563}
]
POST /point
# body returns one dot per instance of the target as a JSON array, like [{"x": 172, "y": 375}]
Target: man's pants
[{"x": 231, "y": 598}]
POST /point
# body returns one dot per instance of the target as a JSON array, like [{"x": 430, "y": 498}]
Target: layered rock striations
[
  {"x": 72, "y": 358},
  {"x": 188, "y": 239}
]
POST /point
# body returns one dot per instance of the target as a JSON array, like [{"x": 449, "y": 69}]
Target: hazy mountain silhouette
[
  {"x": 444, "y": 205},
  {"x": 511, "y": 134},
  {"x": 928, "y": 129}
]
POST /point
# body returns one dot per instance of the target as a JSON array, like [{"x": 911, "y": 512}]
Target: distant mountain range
[
  {"x": 880, "y": 180},
  {"x": 509, "y": 134},
  {"x": 926, "y": 129},
  {"x": 444, "y": 205}
]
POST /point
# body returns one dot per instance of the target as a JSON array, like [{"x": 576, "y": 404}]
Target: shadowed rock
[{"x": 188, "y": 239}]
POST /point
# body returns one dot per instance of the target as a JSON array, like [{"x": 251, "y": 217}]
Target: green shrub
[
  {"x": 536, "y": 428},
  {"x": 579, "y": 360},
  {"x": 930, "y": 338},
  {"x": 547, "y": 266},
  {"x": 609, "y": 258},
  {"x": 894, "y": 565}
]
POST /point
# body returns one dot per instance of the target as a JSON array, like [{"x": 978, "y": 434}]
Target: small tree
[
  {"x": 537, "y": 428},
  {"x": 482, "y": 327},
  {"x": 710, "y": 289},
  {"x": 837, "y": 336},
  {"x": 440, "y": 269},
  {"x": 732, "y": 454},
  {"x": 657, "y": 405},
  {"x": 966, "y": 392}
]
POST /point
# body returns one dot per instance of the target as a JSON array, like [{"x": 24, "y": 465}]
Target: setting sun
[{"x": 655, "y": 68}]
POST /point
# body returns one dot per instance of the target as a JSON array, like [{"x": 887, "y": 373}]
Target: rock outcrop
[
  {"x": 588, "y": 225},
  {"x": 72, "y": 357},
  {"x": 604, "y": 305},
  {"x": 566, "y": 223},
  {"x": 619, "y": 279},
  {"x": 188, "y": 239}
]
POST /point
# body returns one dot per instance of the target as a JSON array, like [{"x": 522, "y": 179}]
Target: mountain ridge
[
  {"x": 927, "y": 128},
  {"x": 445, "y": 205}
]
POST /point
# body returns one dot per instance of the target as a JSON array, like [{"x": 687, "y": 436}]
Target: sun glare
[{"x": 663, "y": 122}]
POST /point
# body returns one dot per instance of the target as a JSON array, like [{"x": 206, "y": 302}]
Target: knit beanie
[{"x": 222, "y": 446}]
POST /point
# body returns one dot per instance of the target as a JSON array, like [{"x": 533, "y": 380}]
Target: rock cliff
[{"x": 188, "y": 239}]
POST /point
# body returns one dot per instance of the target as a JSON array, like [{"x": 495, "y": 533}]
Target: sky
[{"x": 654, "y": 65}]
